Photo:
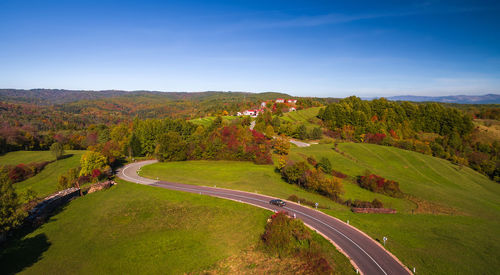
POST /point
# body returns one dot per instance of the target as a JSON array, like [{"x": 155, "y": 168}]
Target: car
[{"x": 278, "y": 202}]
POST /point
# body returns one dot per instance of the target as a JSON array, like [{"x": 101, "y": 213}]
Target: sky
[{"x": 303, "y": 48}]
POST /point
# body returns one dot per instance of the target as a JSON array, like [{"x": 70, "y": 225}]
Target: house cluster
[{"x": 256, "y": 112}]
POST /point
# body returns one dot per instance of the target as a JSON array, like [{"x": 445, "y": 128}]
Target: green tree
[
  {"x": 92, "y": 160},
  {"x": 301, "y": 132},
  {"x": 171, "y": 147},
  {"x": 11, "y": 213},
  {"x": 325, "y": 165},
  {"x": 316, "y": 133},
  {"x": 57, "y": 150}
]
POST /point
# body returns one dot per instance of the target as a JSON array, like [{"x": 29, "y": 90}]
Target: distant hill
[
  {"x": 461, "y": 99},
  {"x": 60, "y": 96}
]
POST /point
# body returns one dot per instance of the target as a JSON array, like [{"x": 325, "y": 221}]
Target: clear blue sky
[{"x": 318, "y": 48}]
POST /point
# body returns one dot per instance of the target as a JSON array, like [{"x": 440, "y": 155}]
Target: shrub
[
  {"x": 338, "y": 174},
  {"x": 364, "y": 204},
  {"x": 325, "y": 165},
  {"x": 378, "y": 184},
  {"x": 290, "y": 237}
]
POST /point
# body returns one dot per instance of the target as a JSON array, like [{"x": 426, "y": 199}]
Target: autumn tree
[
  {"x": 92, "y": 160},
  {"x": 282, "y": 145}
]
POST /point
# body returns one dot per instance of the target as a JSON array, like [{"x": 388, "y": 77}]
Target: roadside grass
[
  {"x": 237, "y": 175},
  {"x": 45, "y": 182},
  {"x": 465, "y": 242},
  {"x": 206, "y": 121},
  {"x": 131, "y": 229}
]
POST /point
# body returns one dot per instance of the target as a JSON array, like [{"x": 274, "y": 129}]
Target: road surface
[
  {"x": 365, "y": 254},
  {"x": 300, "y": 143}
]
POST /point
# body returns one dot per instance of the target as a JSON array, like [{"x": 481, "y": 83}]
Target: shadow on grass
[
  {"x": 65, "y": 156},
  {"x": 22, "y": 253}
]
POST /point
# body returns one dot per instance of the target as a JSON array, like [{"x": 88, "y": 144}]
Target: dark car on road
[{"x": 277, "y": 202}]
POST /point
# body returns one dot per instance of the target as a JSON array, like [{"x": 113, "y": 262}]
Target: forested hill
[
  {"x": 59, "y": 96},
  {"x": 461, "y": 99}
]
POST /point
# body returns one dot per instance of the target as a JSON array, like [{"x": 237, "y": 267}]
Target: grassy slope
[
  {"x": 466, "y": 242},
  {"x": 206, "y": 121},
  {"x": 302, "y": 116},
  {"x": 45, "y": 182},
  {"x": 237, "y": 175},
  {"x": 140, "y": 229}
]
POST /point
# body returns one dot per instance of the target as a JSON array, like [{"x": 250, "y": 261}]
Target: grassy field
[
  {"x": 455, "y": 228},
  {"x": 206, "y": 121},
  {"x": 302, "y": 116},
  {"x": 236, "y": 175},
  {"x": 44, "y": 183},
  {"x": 133, "y": 229}
]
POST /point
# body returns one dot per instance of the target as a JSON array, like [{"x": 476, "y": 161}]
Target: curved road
[{"x": 365, "y": 254}]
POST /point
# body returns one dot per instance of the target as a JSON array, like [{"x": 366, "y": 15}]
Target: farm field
[
  {"x": 456, "y": 213},
  {"x": 133, "y": 228},
  {"x": 44, "y": 183}
]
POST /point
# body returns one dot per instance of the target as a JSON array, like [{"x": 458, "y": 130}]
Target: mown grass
[
  {"x": 465, "y": 242},
  {"x": 45, "y": 182},
  {"x": 304, "y": 116},
  {"x": 136, "y": 229},
  {"x": 206, "y": 121},
  {"x": 237, "y": 175}
]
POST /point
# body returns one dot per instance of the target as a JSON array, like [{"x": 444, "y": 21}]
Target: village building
[{"x": 280, "y": 100}]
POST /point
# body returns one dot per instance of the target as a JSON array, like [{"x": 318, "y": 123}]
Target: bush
[
  {"x": 338, "y": 174},
  {"x": 364, "y": 204},
  {"x": 290, "y": 237},
  {"x": 325, "y": 165},
  {"x": 378, "y": 184}
]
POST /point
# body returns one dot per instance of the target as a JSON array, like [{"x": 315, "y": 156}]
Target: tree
[
  {"x": 11, "y": 214},
  {"x": 269, "y": 131},
  {"x": 171, "y": 147},
  {"x": 92, "y": 160},
  {"x": 316, "y": 133},
  {"x": 282, "y": 145},
  {"x": 57, "y": 150},
  {"x": 134, "y": 146},
  {"x": 301, "y": 132},
  {"x": 325, "y": 165}
]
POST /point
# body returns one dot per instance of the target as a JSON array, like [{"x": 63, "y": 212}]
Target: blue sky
[{"x": 304, "y": 48}]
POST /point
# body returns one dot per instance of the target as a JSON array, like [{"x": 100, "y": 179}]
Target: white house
[
  {"x": 263, "y": 105},
  {"x": 292, "y": 109},
  {"x": 280, "y": 100},
  {"x": 292, "y": 101}
]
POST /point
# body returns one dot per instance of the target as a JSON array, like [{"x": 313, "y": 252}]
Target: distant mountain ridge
[{"x": 461, "y": 99}]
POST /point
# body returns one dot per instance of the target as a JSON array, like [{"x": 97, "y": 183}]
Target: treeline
[{"x": 428, "y": 128}]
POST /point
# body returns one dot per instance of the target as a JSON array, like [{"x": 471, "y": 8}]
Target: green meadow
[
  {"x": 45, "y": 182},
  {"x": 132, "y": 229},
  {"x": 447, "y": 224}
]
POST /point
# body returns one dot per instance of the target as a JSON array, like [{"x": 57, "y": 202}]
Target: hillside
[
  {"x": 132, "y": 228},
  {"x": 307, "y": 116},
  {"x": 461, "y": 99},
  {"x": 448, "y": 203},
  {"x": 44, "y": 183}
]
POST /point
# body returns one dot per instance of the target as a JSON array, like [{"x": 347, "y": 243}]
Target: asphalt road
[{"x": 367, "y": 255}]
